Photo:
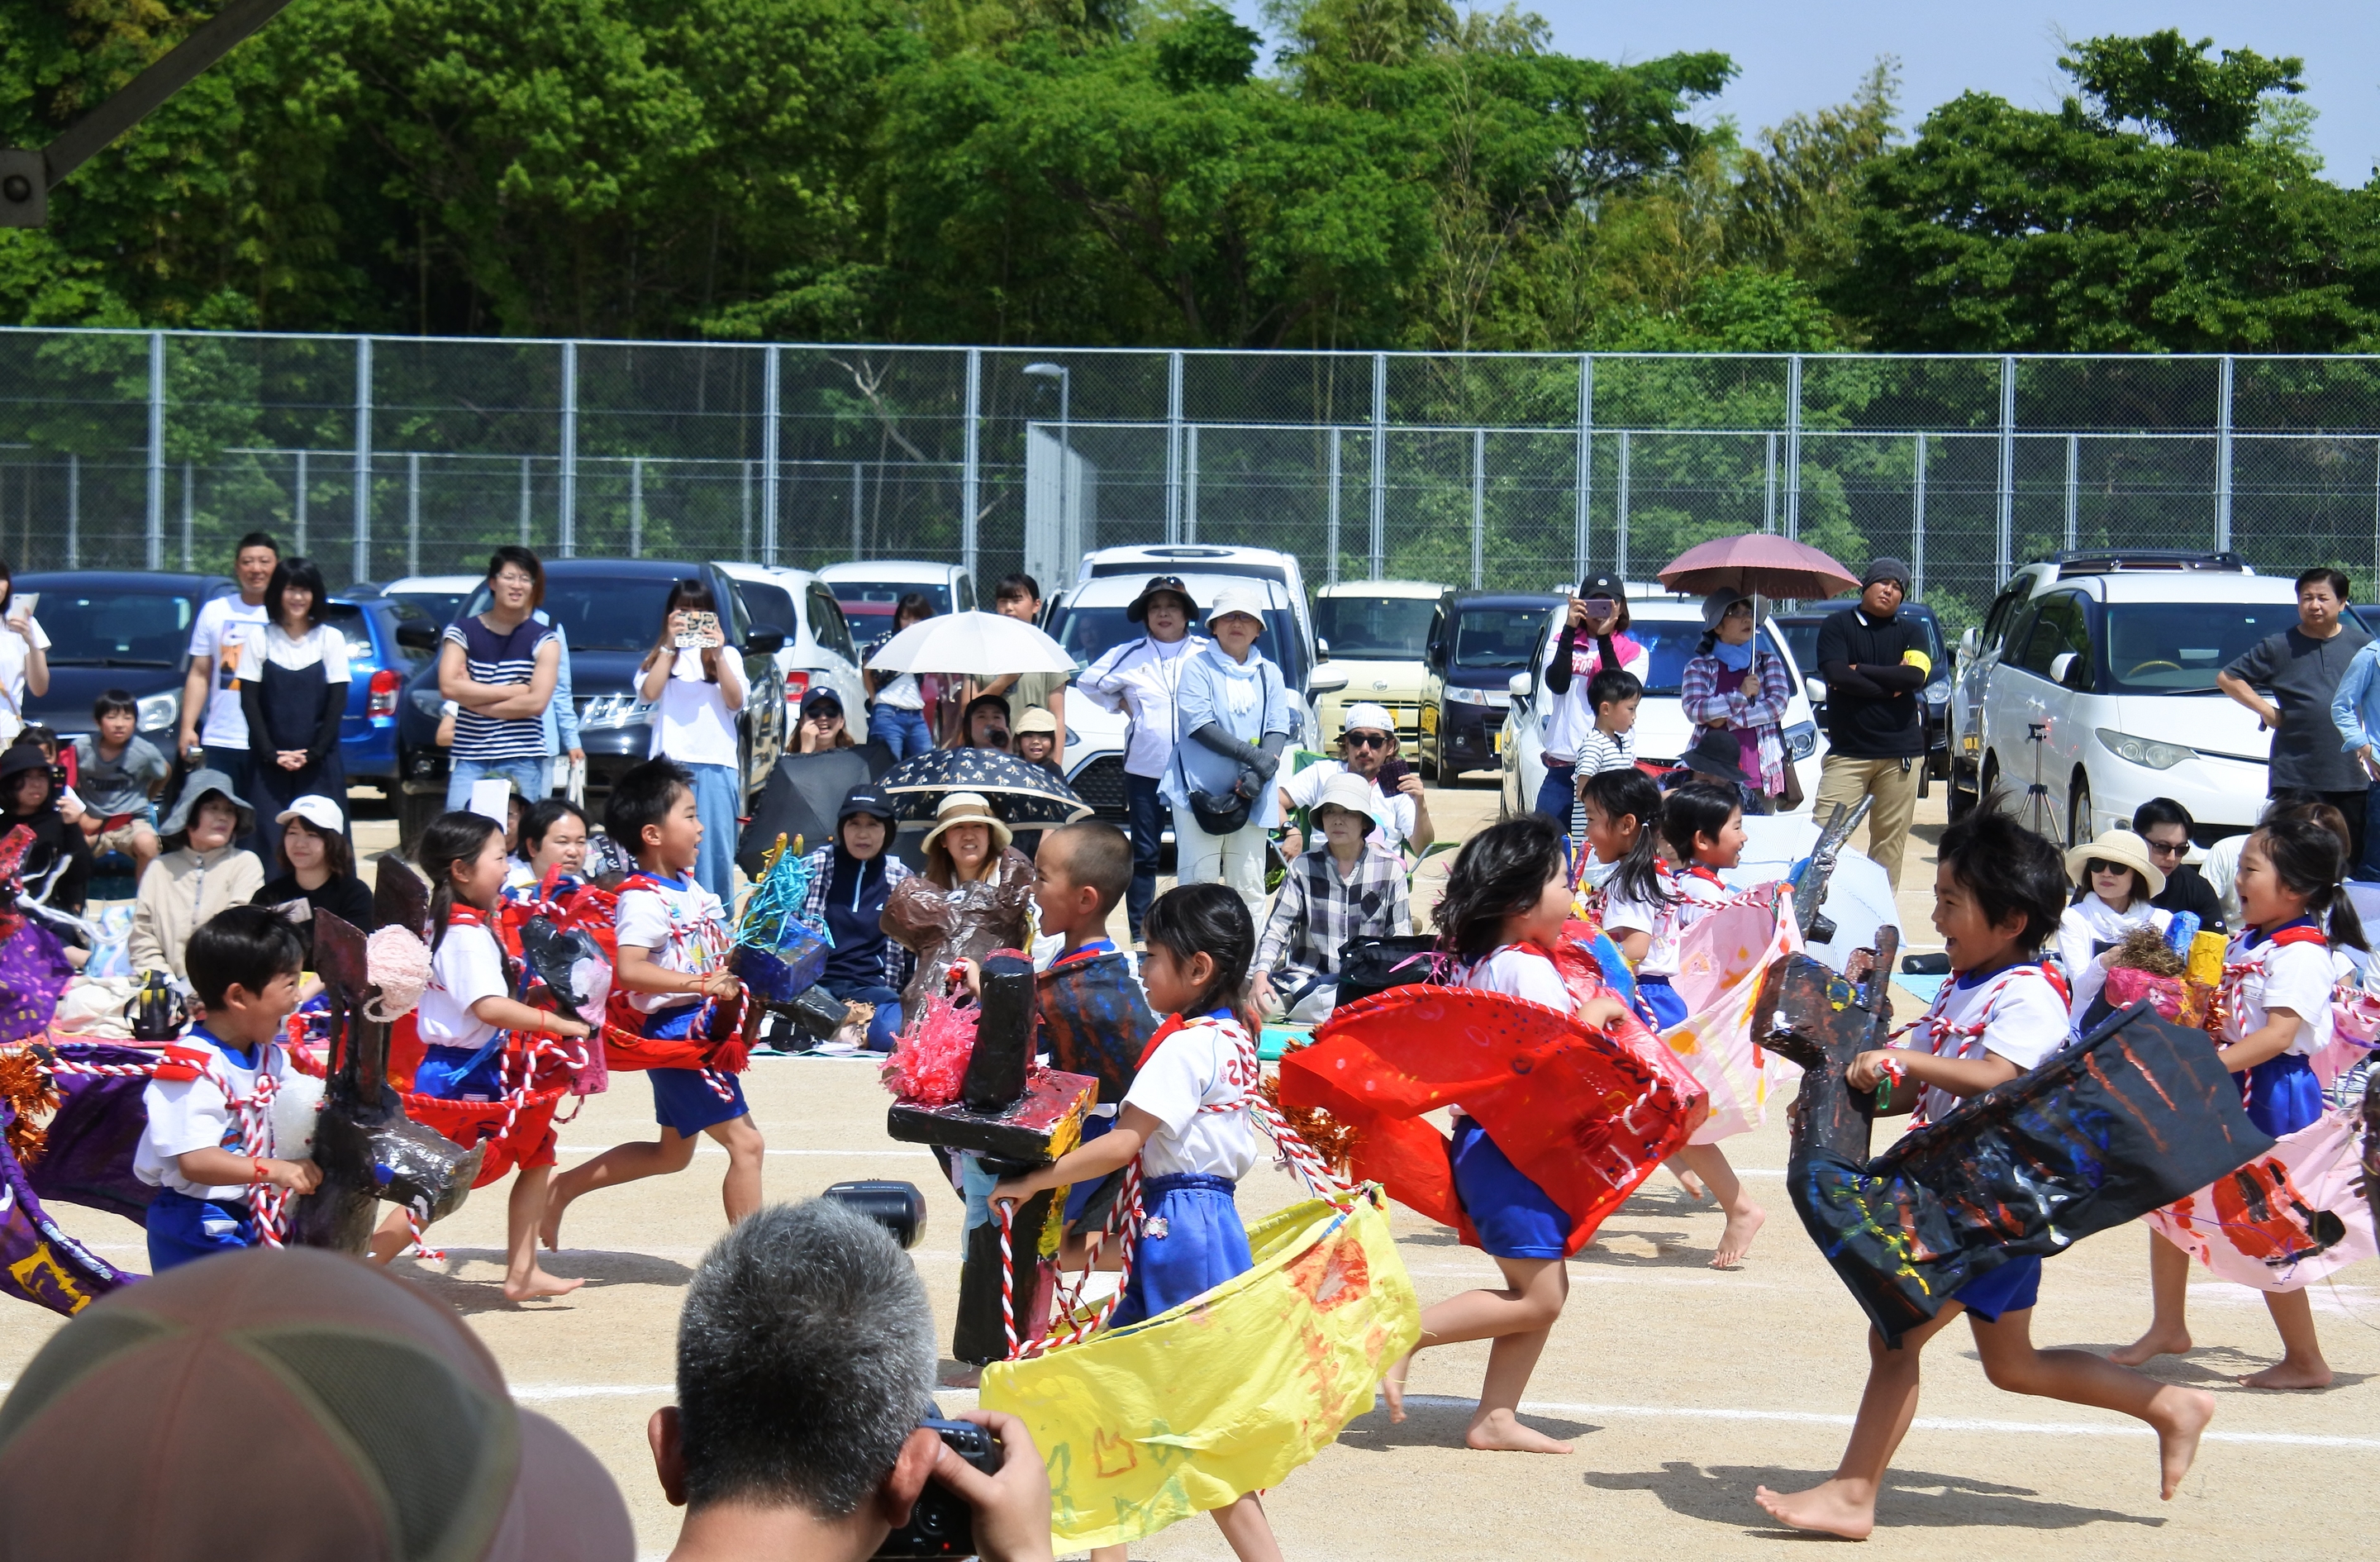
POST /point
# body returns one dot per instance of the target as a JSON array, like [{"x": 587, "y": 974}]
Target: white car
[
  {"x": 1187, "y": 559},
  {"x": 2093, "y": 676},
  {"x": 439, "y": 596},
  {"x": 818, "y": 653},
  {"x": 1669, "y": 628},
  {"x": 868, "y": 590},
  {"x": 1089, "y": 620}
]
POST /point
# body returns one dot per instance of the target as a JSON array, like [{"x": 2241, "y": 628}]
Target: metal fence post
[
  {"x": 360, "y": 542},
  {"x": 413, "y": 512},
  {"x": 768, "y": 456},
  {"x": 859, "y": 523},
  {"x": 190, "y": 487},
  {"x": 1189, "y": 482},
  {"x": 1917, "y": 522},
  {"x": 970, "y": 477},
  {"x": 1478, "y": 505},
  {"x": 1174, "y": 448},
  {"x": 2007, "y": 469},
  {"x": 156, "y": 550},
  {"x": 1619, "y": 502},
  {"x": 1769, "y": 486},
  {"x": 1585, "y": 488},
  {"x": 744, "y": 526},
  {"x": 525, "y": 502},
  {"x": 1794, "y": 445},
  {"x": 1380, "y": 538},
  {"x": 298, "y": 508},
  {"x": 2223, "y": 461},
  {"x": 635, "y": 507},
  {"x": 1330, "y": 537},
  {"x": 2074, "y": 487},
  {"x": 74, "y": 511},
  {"x": 566, "y": 542}
]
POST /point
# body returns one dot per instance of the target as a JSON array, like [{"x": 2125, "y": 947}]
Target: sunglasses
[
  {"x": 1368, "y": 739},
  {"x": 2096, "y": 866},
  {"x": 2160, "y": 849}
]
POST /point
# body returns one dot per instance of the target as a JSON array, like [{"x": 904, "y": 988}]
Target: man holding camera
[{"x": 805, "y": 1358}]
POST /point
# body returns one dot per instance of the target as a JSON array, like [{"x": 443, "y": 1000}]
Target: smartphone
[
  {"x": 701, "y": 630},
  {"x": 23, "y": 605},
  {"x": 1393, "y": 773}
]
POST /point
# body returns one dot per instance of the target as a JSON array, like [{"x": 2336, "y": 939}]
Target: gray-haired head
[{"x": 805, "y": 1355}]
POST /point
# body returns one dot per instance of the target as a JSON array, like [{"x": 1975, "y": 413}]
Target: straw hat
[
  {"x": 969, "y": 808},
  {"x": 2115, "y": 846},
  {"x": 1036, "y": 719}
]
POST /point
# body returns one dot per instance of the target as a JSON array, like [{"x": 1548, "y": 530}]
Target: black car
[
  {"x": 609, "y": 611},
  {"x": 1801, "y": 631},
  {"x": 1477, "y": 641},
  {"x": 115, "y": 628}
]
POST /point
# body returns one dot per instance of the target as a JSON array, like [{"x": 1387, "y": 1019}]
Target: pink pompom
[{"x": 930, "y": 1060}]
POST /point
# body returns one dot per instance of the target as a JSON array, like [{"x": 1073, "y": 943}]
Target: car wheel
[
  {"x": 1989, "y": 782},
  {"x": 2079, "y": 827}
]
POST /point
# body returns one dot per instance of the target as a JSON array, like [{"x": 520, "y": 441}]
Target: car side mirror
[
  {"x": 1326, "y": 680},
  {"x": 1970, "y": 643},
  {"x": 765, "y": 642},
  {"x": 1321, "y": 649},
  {"x": 1519, "y": 684},
  {"x": 416, "y": 636},
  {"x": 1816, "y": 687},
  {"x": 2071, "y": 669}
]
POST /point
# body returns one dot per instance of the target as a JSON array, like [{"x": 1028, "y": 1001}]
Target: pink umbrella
[{"x": 1770, "y": 566}]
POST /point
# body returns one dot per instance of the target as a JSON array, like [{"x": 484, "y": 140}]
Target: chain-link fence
[{"x": 385, "y": 456}]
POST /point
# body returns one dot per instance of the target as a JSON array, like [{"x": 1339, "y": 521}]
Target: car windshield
[
  {"x": 1496, "y": 638},
  {"x": 1089, "y": 633},
  {"x": 117, "y": 627},
  {"x": 441, "y": 606},
  {"x": 2178, "y": 647},
  {"x": 600, "y": 611},
  {"x": 1375, "y": 629},
  {"x": 869, "y": 608},
  {"x": 1801, "y": 634}
]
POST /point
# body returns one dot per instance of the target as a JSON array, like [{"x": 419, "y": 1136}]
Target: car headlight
[
  {"x": 430, "y": 702},
  {"x": 605, "y": 711},
  {"x": 1478, "y": 697},
  {"x": 1800, "y": 740},
  {"x": 2142, "y": 750},
  {"x": 1936, "y": 695},
  {"x": 153, "y": 711}
]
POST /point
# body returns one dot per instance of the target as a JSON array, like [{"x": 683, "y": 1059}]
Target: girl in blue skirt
[
  {"x": 2276, "y": 983},
  {"x": 1185, "y": 1117},
  {"x": 1506, "y": 900}
]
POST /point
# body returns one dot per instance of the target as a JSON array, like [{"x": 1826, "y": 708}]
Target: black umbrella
[
  {"x": 803, "y": 795},
  {"x": 1021, "y": 792}
]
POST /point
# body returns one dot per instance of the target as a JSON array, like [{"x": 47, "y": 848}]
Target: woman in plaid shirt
[
  {"x": 1734, "y": 685},
  {"x": 849, "y": 879},
  {"x": 1343, "y": 888}
]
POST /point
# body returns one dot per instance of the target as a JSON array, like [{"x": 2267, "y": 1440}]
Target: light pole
[{"x": 1065, "y": 377}]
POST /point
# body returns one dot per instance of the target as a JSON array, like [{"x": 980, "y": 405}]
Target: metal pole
[
  {"x": 525, "y": 502},
  {"x": 1331, "y": 549},
  {"x": 1794, "y": 447},
  {"x": 2007, "y": 469},
  {"x": 2073, "y": 487},
  {"x": 1585, "y": 486},
  {"x": 299, "y": 508},
  {"x": 2223, "y": 461},
  {"x": 566, "y": 541},
  {"x": 1917, "y": 527},
  {"x": 858, "y": 548},
  {"x": 1768, "y": 487},
  {"x": 1190, "y": 482},
  {"x": 74, "y": 511},
  {"x": 361, "y": 562},
  {"x": 189, "y": 486},
  {"x": 769, "y": 459},
  {"x": 156, "y": 450},
  {"x": 413, "y": 512},
  {"x": 1379, "y": 517},
  {"x": 744, "y": 530},
  {"x": 1478, "y": 505},
  {"x": 1173, "y": 449},
  {"x": 635, "y": 507},
  {"x": 1066, "y": 453},
  {"x": 970, "y": 474},
  {"x": 1620, "y": 498}
]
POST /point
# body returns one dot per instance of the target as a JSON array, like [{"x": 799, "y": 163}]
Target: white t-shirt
[
  {"x": 1600, "y": 750},
  {"x": 467, "y": 967},
  {"x": 2023, "y": 1020},
  {"x": 14, "y": 655},
  {"x": 1192, "y": 1069},
  {"x": 2297, "y": 977},
  {"x": 1572, "y": 718},
  {"x": 186, "y": 1114},
  {"x": 1520, "y": 973},
  {"x": 681, "y": 925},
  {"x": 691, "y": 721},
  {"x": 1655, "y": 921},
  {"x": 2087, "y": 924},
  {"x": 322, "y": 646},
  {"x": 212, "y": 636},
  {"x": 1392, "y": 812}
]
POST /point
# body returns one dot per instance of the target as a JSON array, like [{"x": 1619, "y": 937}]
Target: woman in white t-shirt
[
  {"x": 694, "y": 681},
  {"x": 24, "y": 665},
  {"x": 293, "y": 693}
]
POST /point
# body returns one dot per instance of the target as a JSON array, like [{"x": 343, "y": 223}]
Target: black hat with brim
[
  {"x": 1159, "y": 585},
  {"x": 1717, "y": 755}
]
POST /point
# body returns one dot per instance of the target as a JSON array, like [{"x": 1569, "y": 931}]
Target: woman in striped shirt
[{"x": 499, "y": 667}]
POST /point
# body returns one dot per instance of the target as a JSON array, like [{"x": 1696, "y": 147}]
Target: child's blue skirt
[
  {"x": 1658, "y": 1002},
  {"x": 2282, "y": 1095},
  {"x": 2012, "y": 1288},
  {"x": 183, "y": 1229},
  {"x": 682, "y": 1100},
  {"x": 1191, "y": 1241},
  {"x": 1510, "y": 1212}
]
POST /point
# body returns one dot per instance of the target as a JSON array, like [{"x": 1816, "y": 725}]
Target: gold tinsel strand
[{"x": 26, "y": 1088}]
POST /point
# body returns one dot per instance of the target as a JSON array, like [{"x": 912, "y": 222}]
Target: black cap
[
  {"x": 1138, "y": 612},
  {"x": 1603, "y": 585},
  {"x": 1717, "y": 755},
  {"x": 868, "y": 800},
  {"x": 822, "y": 695}
]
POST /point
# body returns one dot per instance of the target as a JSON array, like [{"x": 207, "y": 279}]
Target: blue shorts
[
  {"x": 2012, "y": 1288},
  {"x": 685, "y": 1103},
  {"x": 1511, "y": 1214},
  {"x": 183, "y": 1229},
  {"x": 1197, "y": 1244},
  {"x": 1658, "y": 1002},
  {"x": 2282, "y": 1095}
]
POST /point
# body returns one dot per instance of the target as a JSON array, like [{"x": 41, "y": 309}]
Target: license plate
[{"x": 1499, "y": 735}]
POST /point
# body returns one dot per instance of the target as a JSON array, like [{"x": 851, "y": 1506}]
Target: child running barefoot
[
  {"x": 466, "y": 1013},
  {"x": 1185, "y": 1117},
  {"x": 2277, "y": 983},
  {"x": 1998, "y": 894},
  {"x": 1506, "y": 900},
  {"x": 673, "y": 946},
  {"x": 1703, "y": 824}
]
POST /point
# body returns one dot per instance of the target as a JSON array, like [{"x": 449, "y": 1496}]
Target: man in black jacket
[
  {"x": 2165, "y": 825},
  {"x": 1876, "y": 727}
]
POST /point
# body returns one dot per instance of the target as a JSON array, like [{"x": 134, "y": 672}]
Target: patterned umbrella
[{"x": 1021, "y": 792}]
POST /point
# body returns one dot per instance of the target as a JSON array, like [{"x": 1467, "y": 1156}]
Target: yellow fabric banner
[{"x": 1226, "y": 1394}]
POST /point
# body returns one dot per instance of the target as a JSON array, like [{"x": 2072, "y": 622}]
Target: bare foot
[
  {"x": 1737, "y": 1238},
  {"x": 1828, "y": 1507},
  {"x": 539, "y": 1283},
  {"x": 1691, "y": 1183},
  {"x": 2291, "y": 1372},
  {"x": 2179, "y": 1415},
  {"x": 1502, "y": 1431},
  {"x": 1393, "y": 1386},
  {"x": 549, "y": 1229},
  {"x": 2159, "y": 1342}
]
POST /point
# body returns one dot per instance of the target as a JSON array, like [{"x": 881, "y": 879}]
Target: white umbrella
[{"x": 981, "y": 644}]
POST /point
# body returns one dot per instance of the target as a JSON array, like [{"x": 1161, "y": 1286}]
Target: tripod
[{"x": 2040, "y": 812}]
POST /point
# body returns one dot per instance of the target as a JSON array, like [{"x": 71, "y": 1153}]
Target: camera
[{"x": 942, "y": 1524}]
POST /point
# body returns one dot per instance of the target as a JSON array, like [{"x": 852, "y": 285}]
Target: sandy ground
[{"x": 1681, "y": 1387}]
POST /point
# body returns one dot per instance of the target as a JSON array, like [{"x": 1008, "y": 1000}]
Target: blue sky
[{"x": 1802, "y": 56}]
